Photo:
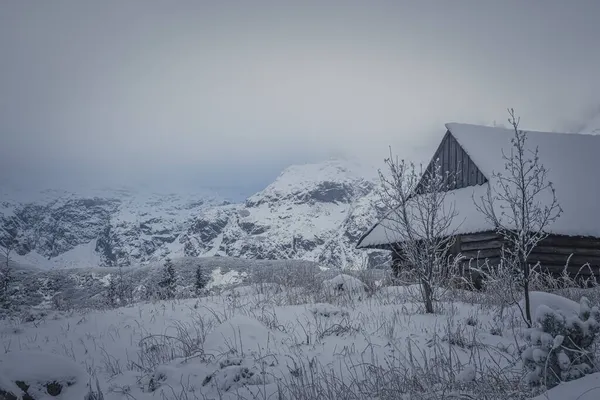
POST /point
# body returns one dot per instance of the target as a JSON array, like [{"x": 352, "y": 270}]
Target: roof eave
[{"x": 364, "y": 235}]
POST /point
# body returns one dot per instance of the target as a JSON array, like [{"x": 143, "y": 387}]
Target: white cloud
[{"x": 127, "y": 89}]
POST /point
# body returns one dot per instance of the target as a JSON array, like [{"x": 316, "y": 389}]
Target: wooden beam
[
  {"x": 571, "y": 241},
  {"x": 481, "y": 245},
  {"x": 479, "y": 237},
  {"x": 579, "y": 251},
  {"x": 575, "y": 261},
  {"x": 481, "y": 254}
]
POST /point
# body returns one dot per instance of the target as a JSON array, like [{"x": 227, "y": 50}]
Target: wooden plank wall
[
  {"x": 552, "y": 253},
  {"x": 476, "y": 248},
  {"x": 455, "y": 160}
]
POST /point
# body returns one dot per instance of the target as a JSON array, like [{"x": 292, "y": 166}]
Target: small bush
[{"x": 560, "y": 344}]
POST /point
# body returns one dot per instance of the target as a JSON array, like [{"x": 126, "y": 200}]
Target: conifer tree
[
  {"x": 168, "y": 282},
  {"x": 112, "y": 292},
  {"x": 201, "y": 280}
]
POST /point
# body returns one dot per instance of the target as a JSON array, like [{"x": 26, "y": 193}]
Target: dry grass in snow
[{"x": 339, "y": 339}]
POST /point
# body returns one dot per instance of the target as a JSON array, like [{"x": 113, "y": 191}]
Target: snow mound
[
  {"x": 552, "y": 301},
  {"x": 586, "y": 388},
  {"x": 240, "y": 335},
  {"x": 45, "y": 376},
  {"x": 343, "y": 283}
]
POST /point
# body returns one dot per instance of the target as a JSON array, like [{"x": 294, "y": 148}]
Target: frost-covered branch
[
  {"x": 520, "y": 203},
  {"x": 419, "y": 221}
]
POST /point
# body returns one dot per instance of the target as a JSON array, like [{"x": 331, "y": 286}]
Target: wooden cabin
[{"x": 473, "y": 154}]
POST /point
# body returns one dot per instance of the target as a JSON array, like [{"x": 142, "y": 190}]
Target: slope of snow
[
  {"x": 586, "y": 388},
  {"x": 329, "y": 177},
  {"x": 81, "y": 256},
  {"x": 262, "y": 340},
  {"x": 236, "y": 348},
  {"x": 37, "y": 370}
]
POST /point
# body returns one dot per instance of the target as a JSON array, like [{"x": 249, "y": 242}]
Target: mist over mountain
[{"x": 314, "y": 211}]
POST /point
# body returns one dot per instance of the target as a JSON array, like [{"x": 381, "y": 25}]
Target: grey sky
[{"x": 230, "y": 92}]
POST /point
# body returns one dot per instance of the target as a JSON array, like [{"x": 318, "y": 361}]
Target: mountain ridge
[{"x": 312, "y": 212}]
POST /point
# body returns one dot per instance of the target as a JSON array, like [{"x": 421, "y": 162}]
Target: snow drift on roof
[
  {"x": 571, "y": 161},
  {"x": 468, "y": 219}
]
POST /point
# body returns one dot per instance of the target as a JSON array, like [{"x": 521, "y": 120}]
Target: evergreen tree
[
  {"x": 168, "y": 282},
  {"x": 5, "y": 279},
  {"x": 112, "y": 292},
  {"x": 201, "y": 280}
]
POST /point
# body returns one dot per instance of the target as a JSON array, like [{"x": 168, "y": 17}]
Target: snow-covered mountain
[{"x": 314, "y": 212}]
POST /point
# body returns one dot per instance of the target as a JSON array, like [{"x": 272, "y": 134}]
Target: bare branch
[
  {"x": 520, "y": 203},
  {"x": 419, "y": 224}
]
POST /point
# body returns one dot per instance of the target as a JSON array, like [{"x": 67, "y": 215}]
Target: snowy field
[{"x": 338, "y": 338}]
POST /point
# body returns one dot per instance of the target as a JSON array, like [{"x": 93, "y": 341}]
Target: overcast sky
[{"x": 228, "y": 92}]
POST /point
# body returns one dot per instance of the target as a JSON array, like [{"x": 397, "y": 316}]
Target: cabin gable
[{"x": 455, "y": 161}]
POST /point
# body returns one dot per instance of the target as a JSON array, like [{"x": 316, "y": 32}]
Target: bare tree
[
  {"x": 521, "y": 204},
  {"x": 420, "y": 220},
  {"x": 120, "y": 289}
]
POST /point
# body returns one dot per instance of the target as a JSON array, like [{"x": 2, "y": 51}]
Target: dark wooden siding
[
  {"x": 455, "y": 161},
  {"x": 555, "y": 251},
  {"x": 477, "y": 248},
  {"x": 552, "y": 253}
]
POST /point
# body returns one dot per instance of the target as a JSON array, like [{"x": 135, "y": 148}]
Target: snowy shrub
[
  {"x": 160, "y": 349},
  {"x": 344, "y": 284},
  {"x": 560, "y": 344},
  {"x": 328, "y": 310},
  {"x": 289, "y": 273},
  {"x": 472, "y": 320},
  {"x": 234, "y": 373},
  {"x": 460, "y": 337},
  {"x": 94, "y": 394}
]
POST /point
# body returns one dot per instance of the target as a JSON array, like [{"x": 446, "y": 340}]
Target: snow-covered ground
[{"x": 338, "y": 337}]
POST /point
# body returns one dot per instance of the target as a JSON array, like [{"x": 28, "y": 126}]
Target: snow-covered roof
[
  {"x": 571, "y": 162},
  {"x": 593, "y": 125}
]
